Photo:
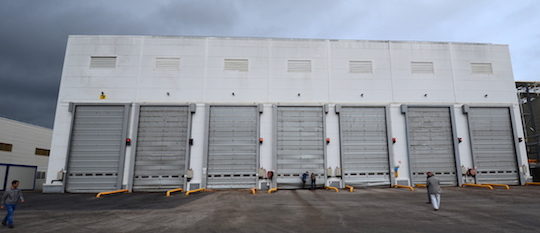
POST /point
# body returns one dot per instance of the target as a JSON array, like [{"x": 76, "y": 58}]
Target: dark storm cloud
[{"x": 33, "y": 34}]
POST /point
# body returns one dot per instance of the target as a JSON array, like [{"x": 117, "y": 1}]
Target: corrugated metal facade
[
  {"x": 300, "y": 144},
  {"x": 96, "y": 149},
  {"x": 162, "y": 139},
  {"x": 493, "y": 148},
  {"x": 364, "y": 146},
  {"x": 232, "y": 147},
  {"x": 431, "y": 144}
]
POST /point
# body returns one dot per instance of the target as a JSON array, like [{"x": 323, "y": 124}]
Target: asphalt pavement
[{"x": 365, "y": 210}]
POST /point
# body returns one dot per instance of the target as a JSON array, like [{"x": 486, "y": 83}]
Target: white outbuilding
[{"x": 24, "y": 154}]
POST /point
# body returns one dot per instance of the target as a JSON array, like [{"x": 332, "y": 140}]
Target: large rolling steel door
[
  {"x": 300, "y": 144},
  {"x": 96, "y": 153},
  {"x": 233, "y": 147},
  {"x": 431, "y": 144},
  {"x": 493, "y": 146},
  {"x": 364, "y": 145},
  {"x": 162, "y": 142}
]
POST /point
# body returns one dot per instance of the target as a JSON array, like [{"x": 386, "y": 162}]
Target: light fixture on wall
[
  {"x": 362, "y": 95},
  {"x": 486, "y": 95},
  {"x": 168, "y": 94},
  {"x": 298, "y": 94},
  {"x": 233, "y": 94},
  {"x": 102, "y": 96},
  {"x": 425, "y": 95}
]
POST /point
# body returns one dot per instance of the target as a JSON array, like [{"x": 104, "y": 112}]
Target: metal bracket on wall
[
  {"x": 192, "y": 108},
  {"x": 403, "y": 108},
  {"x": 338, "y": 108},
  {"x": 71, "y": 107},
  {"x": 465, "y": 108}
]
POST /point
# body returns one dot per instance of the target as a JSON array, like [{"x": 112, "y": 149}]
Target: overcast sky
[{"x": 33, "y": 33}]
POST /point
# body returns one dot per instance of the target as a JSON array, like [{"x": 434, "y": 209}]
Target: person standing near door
[
  {"x": 304, "y": 179},
  {"x": 313, "y": 180},
  {"x": 434, "y": 190},
  {"x": 9, "y": 201}
]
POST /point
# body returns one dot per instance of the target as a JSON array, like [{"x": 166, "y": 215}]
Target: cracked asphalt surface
[{"x": 365, "y": 210}]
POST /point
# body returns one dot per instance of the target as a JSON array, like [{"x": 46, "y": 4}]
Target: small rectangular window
[
  {"x": 422, "y": 67},
  {"x": 241, "y": 65},
  {"x": 6, "y": 147},
  {"x": 481, "y": 68},
  {"x": 103, "y": 62},
  {"x": 167, "y": 63},
  {"x": 42, "y": 152},
  {"x": 299, "y": 66},
  {"x": 365, "y": 67}
]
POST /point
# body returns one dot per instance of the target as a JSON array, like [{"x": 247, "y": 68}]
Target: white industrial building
[
  {"x": 150, "y": 113},
  {"x": 24, "y": 154}
]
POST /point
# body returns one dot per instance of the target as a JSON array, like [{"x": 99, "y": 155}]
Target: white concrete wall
[
  {"x": 400, "y": 147},
  {"x": 198, "y": 122},
  {"x": 202, "y": 79}
]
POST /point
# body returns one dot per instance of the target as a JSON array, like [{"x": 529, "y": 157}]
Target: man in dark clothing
[
  {"x": 313, "y": 179},
  {"x": 9, "y": 201},
  {"x": 434, "y": 190},
  {"x": 304, "y": 179}
]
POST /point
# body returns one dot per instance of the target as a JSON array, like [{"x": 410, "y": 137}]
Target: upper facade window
[
  {"x": 167, "y": 63},
  {"x": 299, "y": 66},
  {"x": 481, "y": 68},
  {"x": 103, "y": 62},
  {"x": 6, "y": 147},
  {"x": 422, "y": 67},
  {"x": 43, "y": 152},
  {"x": 241, "y": 65},
  {"x": 363, "y": 67}
]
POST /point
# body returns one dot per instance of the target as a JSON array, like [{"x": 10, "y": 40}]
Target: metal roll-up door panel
[
  {"x": 431, "y": 144},
  {"x": 160, "y": 160},
  {"x": 96, "y": 148},
  {"x": 300, "y": 145},
  {"x": 232, "y": 147},
  {"x": 364, "y": 145},
  {"x": 493, "y": 145}
]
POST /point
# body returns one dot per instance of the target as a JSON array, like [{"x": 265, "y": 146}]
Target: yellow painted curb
[
  {"x": 532, "y": 183},
  {"x": 173, "y": 190},
  {"x": 111, "y": 192},
  {"x": 479, "y": 186},
  {"x": 404, "y": 186},
  {"x": 194, "y": 191},
  {"x": 505, "y": 186},
  {"x": 333, "y": 188}
]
